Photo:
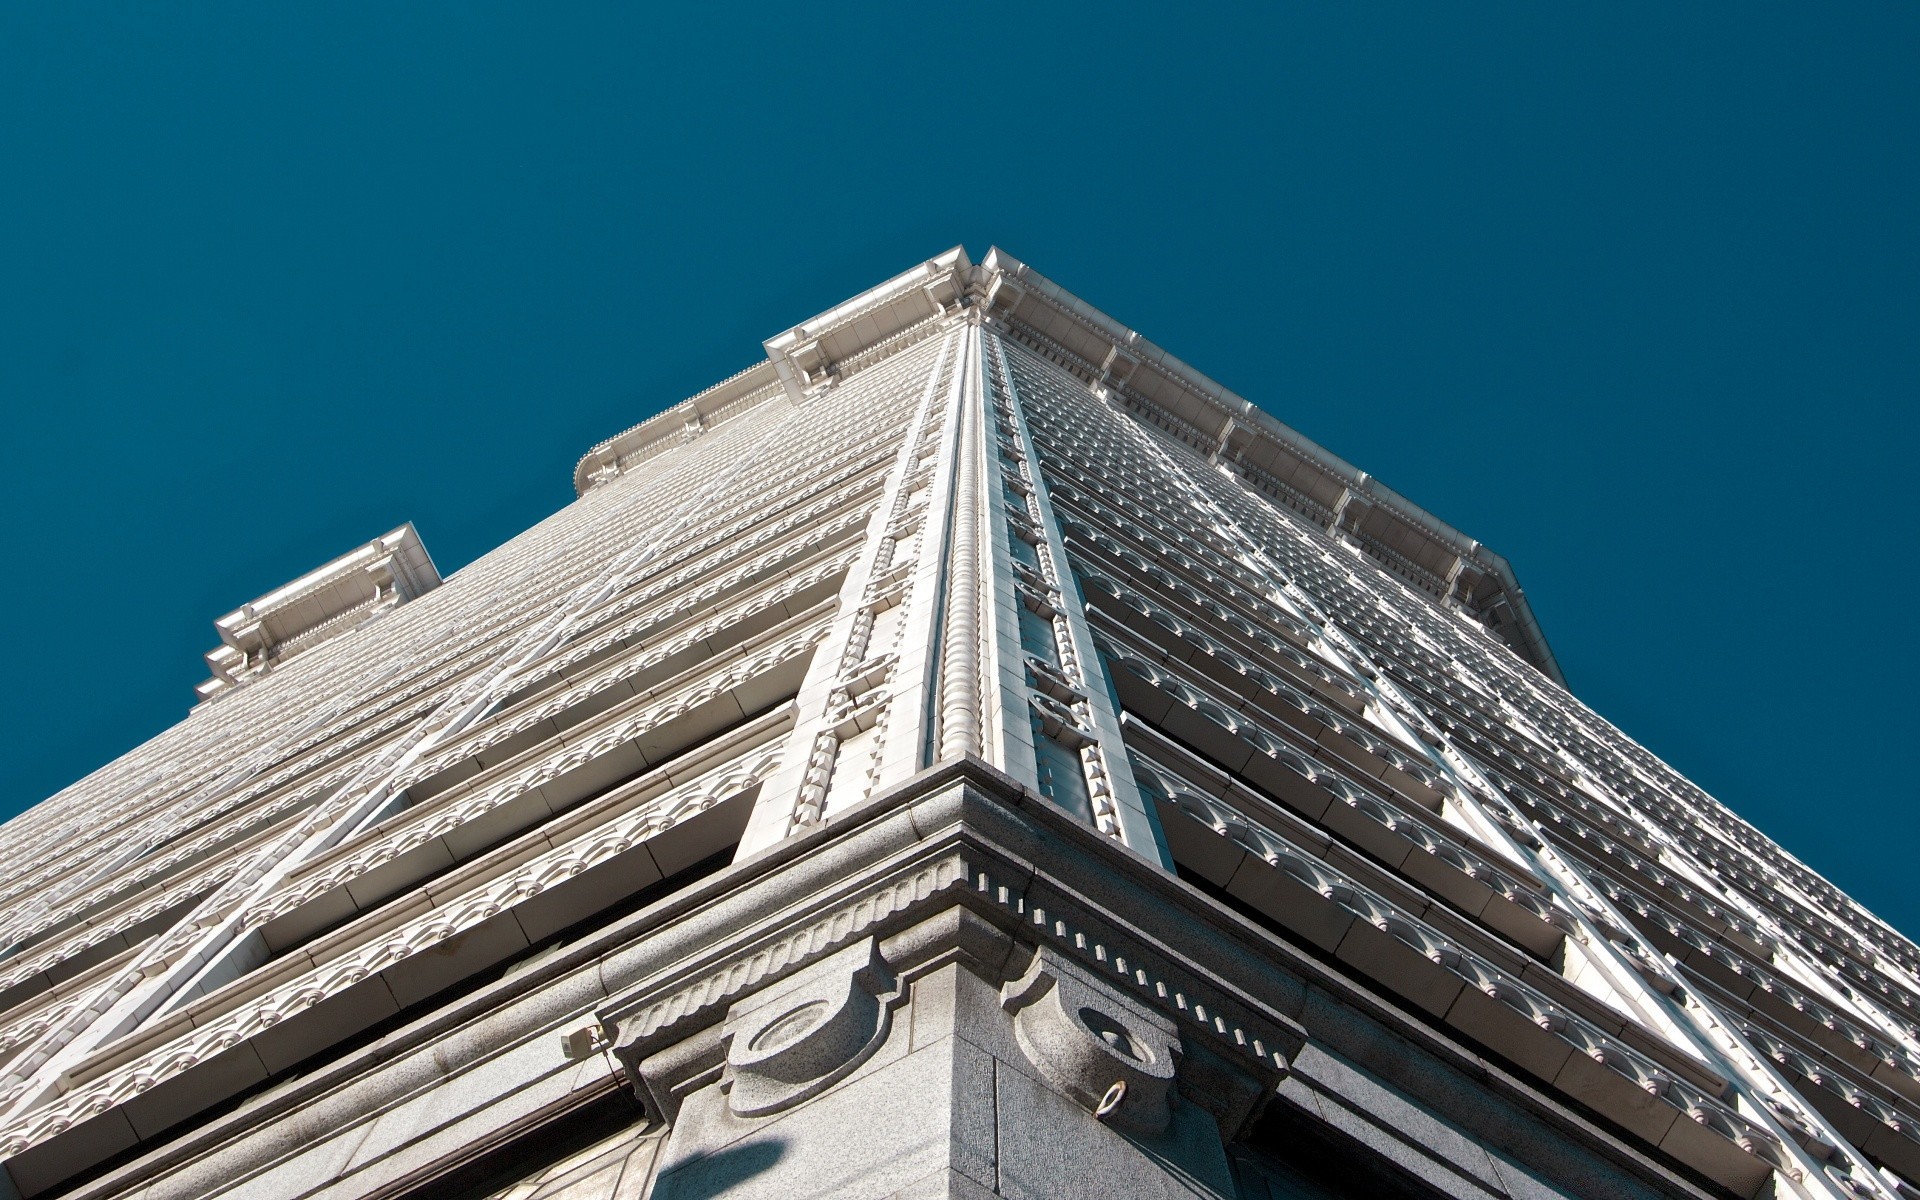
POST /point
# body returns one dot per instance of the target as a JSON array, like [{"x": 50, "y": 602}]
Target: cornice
[
  {"x": 322, "y": 604},
  {"x": 1119, "y": 364}
]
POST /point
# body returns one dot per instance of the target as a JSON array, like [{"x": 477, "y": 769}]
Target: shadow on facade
[{"x": 719, "y": 1174}]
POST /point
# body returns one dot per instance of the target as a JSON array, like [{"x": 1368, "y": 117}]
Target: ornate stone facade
[{"x": 969, "y": 753}]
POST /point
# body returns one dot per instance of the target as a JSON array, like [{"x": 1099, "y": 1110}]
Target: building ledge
[{"x": 318, "y": 607}]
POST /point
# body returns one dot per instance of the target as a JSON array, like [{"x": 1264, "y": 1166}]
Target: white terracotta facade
[{"x": 969, "y": 753}]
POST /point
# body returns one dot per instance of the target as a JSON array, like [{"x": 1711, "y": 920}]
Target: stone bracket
[
  {"x": 803, "y": 1036},
  {"x": 783, "y": 1016},
  {"x": 1112, "y": 1056}
]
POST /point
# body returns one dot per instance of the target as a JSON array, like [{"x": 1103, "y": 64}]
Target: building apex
[{"x": 1271, "y": 457}]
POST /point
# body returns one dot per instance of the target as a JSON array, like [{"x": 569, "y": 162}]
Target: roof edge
[
  {"x": 1271, "y": 456},
  {"x": 1266, "y": 454}
]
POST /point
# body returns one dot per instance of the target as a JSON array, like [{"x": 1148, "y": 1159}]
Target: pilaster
[
  {"x": 1053, "y": 669},
  {"x": 863, "y": 705}
]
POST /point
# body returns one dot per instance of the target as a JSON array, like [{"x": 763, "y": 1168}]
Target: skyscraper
[{"x": 967, "y": 753}]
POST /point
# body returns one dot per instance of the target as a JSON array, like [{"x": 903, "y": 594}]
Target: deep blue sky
[{"x": 1630, "y": 294}]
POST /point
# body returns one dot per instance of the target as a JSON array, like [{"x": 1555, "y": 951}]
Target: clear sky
[{"x": 1629, "y": 292}]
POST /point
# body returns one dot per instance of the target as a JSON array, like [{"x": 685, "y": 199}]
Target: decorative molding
[
  {"x": 439, "y": 819},
  {"x": 960, "y": 664},
  {"x": 665, "y": 1012},
  {"x": 219, "y": 1026},
  {"x": 324, "y": 603}
]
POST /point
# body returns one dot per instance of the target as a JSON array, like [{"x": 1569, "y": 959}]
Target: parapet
[{"x": 317, "y": 607}]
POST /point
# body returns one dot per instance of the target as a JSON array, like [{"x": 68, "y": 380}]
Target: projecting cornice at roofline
[{"x": 1291, "y": 470}]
